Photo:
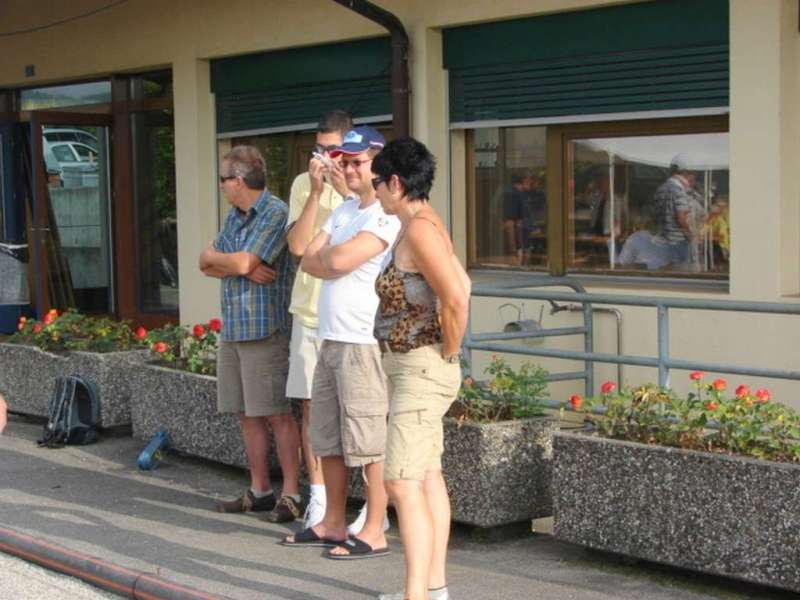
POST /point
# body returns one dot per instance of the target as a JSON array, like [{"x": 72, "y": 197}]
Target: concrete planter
[
  {"x": 27, "y": 375},
  {"x": 731, "y": 516},
  {"x": 499, "y": 473},
  {"x": 496, "y": 473},
  {"x": 185, "y": 404}
]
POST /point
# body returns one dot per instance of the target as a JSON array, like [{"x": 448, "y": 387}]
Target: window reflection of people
[
  {"x": 523, "y": 213},
  {"x": 677, "y": 211}
]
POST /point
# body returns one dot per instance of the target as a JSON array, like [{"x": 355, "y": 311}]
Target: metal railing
[{"x": 529, "y": 289}]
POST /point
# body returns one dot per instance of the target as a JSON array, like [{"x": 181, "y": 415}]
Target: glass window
[
  {"x": 63, "y": 153},
  {"x": 649, "y": 203},
  {"x": 510, "y": 204},
  {"x": 85, "y": 153},
  {"x": 152, "y": 85},
  {"x": 60, "y": 96},
  {"x": 626, "y": 198},
  {"x": 153, "y": 134},
  {"x": 79, "y": 194}
]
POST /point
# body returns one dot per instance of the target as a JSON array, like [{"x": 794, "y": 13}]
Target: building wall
[{"x": 185, "y": 34}]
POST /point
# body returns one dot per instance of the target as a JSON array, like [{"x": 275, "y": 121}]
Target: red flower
[
  {"x": 468, "y": 381},
  {"x": 696, "y": 375},
  {"x": 141, "y": 333},
  {"x": 719, "y": 385},
  {"x": 712, "y": 406},
  {"x": 748, "y": 402},
  {"x": 763, "y": 395},
  {"x": 37, "y": 328},
  {"x": 198, "y": 331},
  {"x": 215, "y": 325},
  {"x": 742, "y": 391},
  {"x": 576, "y": 401},
  {"x": 160, "y": 347},
  {"x": 21, "y": 326},
  {"x": 23, "y": 319},
  {"x": 48, "y": 319},
  {"x": 608, "y": 387}
]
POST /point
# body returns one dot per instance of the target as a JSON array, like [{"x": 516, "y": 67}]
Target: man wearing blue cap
[{"x": 349, "y": 400}]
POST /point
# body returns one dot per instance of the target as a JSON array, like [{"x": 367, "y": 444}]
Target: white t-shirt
[{"x": 347, "y": 304}]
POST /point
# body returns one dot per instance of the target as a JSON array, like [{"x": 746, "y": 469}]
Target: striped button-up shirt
[{"x": 252, "y": 311}]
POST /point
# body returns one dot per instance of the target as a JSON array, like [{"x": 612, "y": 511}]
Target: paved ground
[
  {"x": 23, "y": 581},
  {"x": 93, "y": 499}
]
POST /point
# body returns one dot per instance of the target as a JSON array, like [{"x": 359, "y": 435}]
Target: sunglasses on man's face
[
  {"x": 376, "y": 182},
  {"x": 320, "y": 149},
  {"x": 355, "y": 163},
  {"x": 224, "y": 178}
]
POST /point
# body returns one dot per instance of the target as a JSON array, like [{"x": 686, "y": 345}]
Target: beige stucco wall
[{"x": 185, "y": 34}]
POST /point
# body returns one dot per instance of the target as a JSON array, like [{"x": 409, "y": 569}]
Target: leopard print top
[{"x": 407, "y": 315}]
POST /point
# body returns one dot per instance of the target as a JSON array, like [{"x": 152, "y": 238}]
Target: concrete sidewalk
[{"x": 94, "y": 500}]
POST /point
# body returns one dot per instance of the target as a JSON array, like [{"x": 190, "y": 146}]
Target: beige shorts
[
  {"x": 422, "y": 386},
  {"x": 251, "y": 376},
  {"x": 349, "y": 403},
  {"x": 304, "y": 350}
]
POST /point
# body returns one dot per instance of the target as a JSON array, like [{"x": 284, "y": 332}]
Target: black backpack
[{"x": 73, "y": 414}]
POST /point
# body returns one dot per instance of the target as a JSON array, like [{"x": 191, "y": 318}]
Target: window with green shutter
[
  {"x": 650, "y": 56},
  {"x": 290, "y": 89}
]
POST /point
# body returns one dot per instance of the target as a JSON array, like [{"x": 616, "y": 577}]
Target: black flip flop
[
  {"x": 357, "y": 549},
  {"x": 309, "y": 539}
]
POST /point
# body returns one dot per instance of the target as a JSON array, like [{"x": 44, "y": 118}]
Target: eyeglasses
[
  {"x": 224, "y": 178},
  {"x": 376, "y": 181},
  {"x": 355, "y": 163},
  {"x": 319, "y": 148}
]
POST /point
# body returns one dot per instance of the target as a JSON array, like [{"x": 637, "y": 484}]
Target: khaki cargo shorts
[
  {"x": 251, "y": 376},
  {"x": 422, "y": 386},
  {"x": 349, "y": 403}
]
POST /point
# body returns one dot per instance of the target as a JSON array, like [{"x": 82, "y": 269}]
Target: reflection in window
[
  {"x": 61, "y": 96},
  {"x": 650, "y": 203},
  {"x": 155, "y": 201},
  {"x": 510, "y": 214}
]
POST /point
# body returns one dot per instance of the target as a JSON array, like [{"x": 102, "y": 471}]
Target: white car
[
  {"x": 52, "y": 136},
  {"x": 75, "y": 154}
]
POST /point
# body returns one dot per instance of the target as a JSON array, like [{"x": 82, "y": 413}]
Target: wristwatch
[{"x": 453, "y": 358}]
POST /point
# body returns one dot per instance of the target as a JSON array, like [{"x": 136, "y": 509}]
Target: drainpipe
[{"x": 400, "y": 87}]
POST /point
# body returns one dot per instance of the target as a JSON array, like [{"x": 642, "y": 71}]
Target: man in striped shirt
[{"x": 251, "y": 257}]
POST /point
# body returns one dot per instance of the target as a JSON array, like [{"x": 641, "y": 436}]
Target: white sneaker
[
  {"x": 315, "y": 511},
  {"x": 356, "y": 526}
]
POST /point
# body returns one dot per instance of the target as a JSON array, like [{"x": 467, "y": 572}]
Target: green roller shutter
[
  {"x": 661, "y": 55},
  {"x": 286, "y": 88}
]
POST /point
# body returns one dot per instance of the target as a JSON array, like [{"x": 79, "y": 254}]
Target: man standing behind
[
  {"x": 311, "y": 202},
  {"x": 673, "y": 210},
  {"x": 251, "y": 258},
  {"x": 349, "y": 402}
]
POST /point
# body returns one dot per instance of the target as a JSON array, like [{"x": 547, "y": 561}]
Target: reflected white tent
[{"x": 706, "y": 152}]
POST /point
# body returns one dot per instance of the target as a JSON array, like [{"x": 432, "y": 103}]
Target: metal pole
[{"x": 663, "y": 345}]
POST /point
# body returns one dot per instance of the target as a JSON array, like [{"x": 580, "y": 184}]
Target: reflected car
[
  {"x": 75, "y": 154},
  {"x": 70, "y": 135}
]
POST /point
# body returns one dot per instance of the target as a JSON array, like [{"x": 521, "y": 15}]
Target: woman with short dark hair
[{"x": 424, "y": 300}]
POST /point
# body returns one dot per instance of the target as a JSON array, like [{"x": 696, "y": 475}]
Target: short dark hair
[
  {"x": 413, "y": 164},
  {"x": 335, "y": 121},
  {"x": 246, "y": 162}
]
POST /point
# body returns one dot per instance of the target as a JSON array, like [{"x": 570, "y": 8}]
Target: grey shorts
[
  {"x": 349, "y": 403},
  {"x": 251, "y": 376}
]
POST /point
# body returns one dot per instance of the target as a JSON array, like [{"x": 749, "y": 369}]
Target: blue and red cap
[{"x": 359, "y": 139}]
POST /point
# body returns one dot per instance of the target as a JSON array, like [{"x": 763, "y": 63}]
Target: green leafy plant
[
  {"x": 507, "y": 394},
  {"x": 189, "y": 348},
  {"x": 72, "y": 330},
  {"x": 747, "y": 423}
]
